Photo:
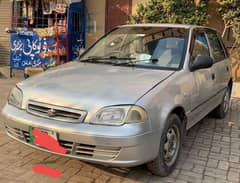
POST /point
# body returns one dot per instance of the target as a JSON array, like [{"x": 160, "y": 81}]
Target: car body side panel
[
  {"x": 206, "y": 107},
  {"x": 203, "y": 91},
  {"x": 209, "y": 87},
  {"x": 172, "y": 93},
  {"x": 222, "y": 71}
]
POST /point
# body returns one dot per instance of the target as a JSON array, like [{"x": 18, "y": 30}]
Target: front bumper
[{"x": 125, "y": 146}]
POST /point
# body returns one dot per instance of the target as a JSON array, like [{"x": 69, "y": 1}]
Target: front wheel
[{"x": 170, "y": 146}]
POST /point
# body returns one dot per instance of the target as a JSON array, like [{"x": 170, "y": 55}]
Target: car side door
[
  {"x": 203, "y": 79},
  {"x": 221, "y": 67}
]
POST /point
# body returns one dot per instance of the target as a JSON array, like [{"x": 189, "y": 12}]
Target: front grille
[
  {"x": 97, "y": 152},
  {"x": 74, "y": 149},
  {"x": 55, "y": 112},
  {"x": 90, "y": 151},
  {"x": 67, "y": 145},
  {"x": 15, "y": 132},
  {"x": 26, "y": 136}
]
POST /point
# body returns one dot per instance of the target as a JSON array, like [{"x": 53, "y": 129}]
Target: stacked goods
[
  {"x": 45, "y": 32},
  {"x": 49, "y": 54},
  {"x": 53, "y": 53}
]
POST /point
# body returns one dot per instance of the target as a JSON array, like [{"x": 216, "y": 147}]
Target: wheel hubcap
[
  {"x": 226, "y": 101},
  {"x": 171, "y": 146}
]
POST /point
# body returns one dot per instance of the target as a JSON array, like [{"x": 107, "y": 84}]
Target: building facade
[
  {"x": 102, "y": 16},
  {"x": 4, "y": 38}
]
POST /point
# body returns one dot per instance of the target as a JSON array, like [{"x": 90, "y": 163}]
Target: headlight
[
  {"x": 15, "y": 98},
  {"x": 119, "y": 115}
]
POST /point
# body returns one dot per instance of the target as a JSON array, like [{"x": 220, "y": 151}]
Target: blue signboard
[
  {"x": 29, "y": 49},
  {"x": 26, "y": 48}
]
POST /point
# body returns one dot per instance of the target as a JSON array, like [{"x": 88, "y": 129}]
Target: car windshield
[{"x": 153, "y": 47}]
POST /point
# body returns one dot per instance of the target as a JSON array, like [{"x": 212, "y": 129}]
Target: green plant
[
  {"x": 171, "y": 11},
  {"x": 230, "y": 12}
]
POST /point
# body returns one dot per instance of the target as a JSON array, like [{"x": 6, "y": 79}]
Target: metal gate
[{"x": 4, "y": 38}]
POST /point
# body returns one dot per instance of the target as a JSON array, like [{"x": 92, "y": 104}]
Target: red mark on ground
[
  {"x": 42, "y": 169},
  {"x": 44, "y": 140}
]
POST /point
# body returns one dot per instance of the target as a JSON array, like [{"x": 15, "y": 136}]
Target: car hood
[{"x": 90, "y": 86}]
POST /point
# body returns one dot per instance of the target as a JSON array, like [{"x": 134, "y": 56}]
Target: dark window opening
[{"x": 76, "y": 22}]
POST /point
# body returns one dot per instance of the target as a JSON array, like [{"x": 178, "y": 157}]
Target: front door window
[{"x": 200, "y": 46}]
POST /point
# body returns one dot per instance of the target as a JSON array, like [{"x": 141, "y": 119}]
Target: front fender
[{"x": 167, "y": 96}]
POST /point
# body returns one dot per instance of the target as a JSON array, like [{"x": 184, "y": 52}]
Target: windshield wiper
[
  {"x": 91, "y": 59},
  {"x": 117, "y": 61},
  {"x": 120, "y": 58},
  {"x": 132, "y": 63},
  {"x": 96, "y": 59}
]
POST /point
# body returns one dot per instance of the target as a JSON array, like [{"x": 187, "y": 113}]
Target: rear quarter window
[{"x": 216, "y": 45}]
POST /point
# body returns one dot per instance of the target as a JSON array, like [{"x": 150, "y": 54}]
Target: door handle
[{"x": 213, "y": 76}]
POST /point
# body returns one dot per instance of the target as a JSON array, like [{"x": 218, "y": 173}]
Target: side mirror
[{"x": 201, "y": 62}]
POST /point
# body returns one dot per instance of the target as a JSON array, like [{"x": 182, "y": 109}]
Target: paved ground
[{"x": 211, "y": 153}]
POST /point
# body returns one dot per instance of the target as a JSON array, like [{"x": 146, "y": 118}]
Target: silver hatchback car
[{"x": 129, "y": 99}]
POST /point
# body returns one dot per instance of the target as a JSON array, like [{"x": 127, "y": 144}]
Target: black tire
[
  {"x": 222, "y": 110},
  {"x": 161, "y": 166}
]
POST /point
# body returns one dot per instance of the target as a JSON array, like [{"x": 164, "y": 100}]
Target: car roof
[{"x": 184, "y": 26}]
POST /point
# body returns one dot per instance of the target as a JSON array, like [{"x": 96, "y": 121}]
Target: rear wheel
[
  {"x": 170, "y": 146},
  {"x": 222, "y": 110}
]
